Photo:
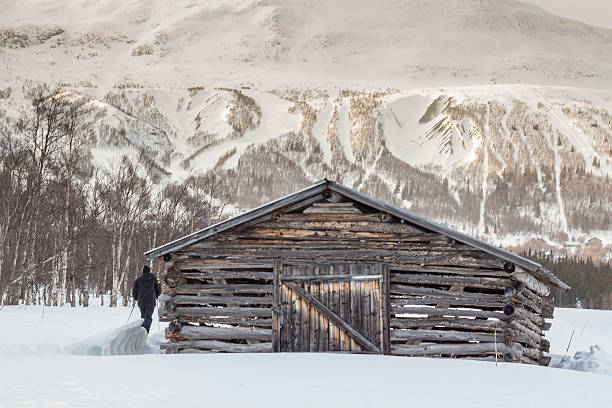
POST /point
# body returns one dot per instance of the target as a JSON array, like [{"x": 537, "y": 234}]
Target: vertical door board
[{"x": 331, "y": 307}]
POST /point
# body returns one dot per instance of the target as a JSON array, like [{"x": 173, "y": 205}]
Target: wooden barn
[{"x": 332, "y": 269}]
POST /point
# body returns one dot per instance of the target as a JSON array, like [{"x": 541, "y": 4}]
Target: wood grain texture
[{"x": 331, "y": 275}]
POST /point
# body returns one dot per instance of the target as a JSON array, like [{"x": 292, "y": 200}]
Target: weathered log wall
[
  {"x": 445, "y": 298},
  {"x": 220, "y": 306},
  {"x": 467, "y": 312}
]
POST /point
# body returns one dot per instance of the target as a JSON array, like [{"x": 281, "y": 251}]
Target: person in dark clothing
[{"x": 146, "y": 291}]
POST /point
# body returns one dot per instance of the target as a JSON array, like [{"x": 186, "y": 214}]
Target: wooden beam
[
  {"x": 334, "y": 278},
  {"x": 220, "y": 333},
  {"x": 343, "y": 222},
  {"x": 225, "y": 320},
  {"x": 227, "y": 300},
  {"x": 447, "y": 302},
  {"x": 219, "y": 346},
  {"x": 189, "y": 289},
  {"x": 465, "y": 349},
  {"x": 449, "y": 323},
  {"x": 445, "y": 335},
  {"x": 433, "y": 311},
  {"x": 211, "y": 274},
  {"x": 458, "y": 270},
  {"x": 421, "y": 291},
  {"x": 246, "y": 312},
  {"x": 476, "y": 282},
  {"x": 531, "y": 282},
  {"x": 315, "y": 209},
  {"x": 336, "y": 204}
]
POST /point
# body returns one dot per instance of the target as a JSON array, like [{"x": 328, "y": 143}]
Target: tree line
[
  {"x": 69, "y": 230},
  {"x": 591, "y": 283}
]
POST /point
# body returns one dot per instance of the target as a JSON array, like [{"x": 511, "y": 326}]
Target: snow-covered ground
[
  {"x": 59, "y": 357},
  {"x": 589, "y": 327},
  {"x": 39, "y": 370}
]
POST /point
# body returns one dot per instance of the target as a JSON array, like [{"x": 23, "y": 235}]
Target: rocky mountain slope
[{"x": 396, "y": 98}]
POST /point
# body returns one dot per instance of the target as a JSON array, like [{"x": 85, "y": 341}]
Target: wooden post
[
  {"x": 495, "y": 339},
  {"x": 276, "y": 307},
  {"x": 385, "y": 308}
]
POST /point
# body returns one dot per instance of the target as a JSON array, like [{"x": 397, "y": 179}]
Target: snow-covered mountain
[
  {"x": 295, "y": 43},
  {"x": 402, "y": 99}
]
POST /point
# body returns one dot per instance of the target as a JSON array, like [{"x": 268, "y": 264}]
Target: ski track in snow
[
  {"x": 553, "y": 145},
  {"x": 369, "y": 171},
  {"x": 560, "y": 203},
  {"x": 581, "y": 143},
  {"x": 499, "y": 158},
  {"x": 319, "y": 130},
  {"x": 532, "y": 159},
  {"x": 343, "y": 130},
  {"x": 505, "y": 133},
  {"x": 605, "y": 165},
  {"x": 485, "y": 172},
  {"x": 497, "y": 155}
]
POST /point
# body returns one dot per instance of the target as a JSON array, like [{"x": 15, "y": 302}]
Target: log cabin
[{"x": 330, "y": 269}]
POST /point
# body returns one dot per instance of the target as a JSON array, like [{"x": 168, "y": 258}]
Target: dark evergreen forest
[{"x": 591, "y": 283}]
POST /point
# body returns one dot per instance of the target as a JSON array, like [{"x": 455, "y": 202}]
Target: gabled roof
[{"x": 364, "y": 199}]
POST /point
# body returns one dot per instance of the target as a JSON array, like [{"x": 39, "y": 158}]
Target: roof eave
[
  {"x": 250, "y": 215},
  {"x": 365, "y": 199},
  {"x": 459, "y": 236}
]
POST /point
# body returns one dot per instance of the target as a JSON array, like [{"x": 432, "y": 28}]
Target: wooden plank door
[{"x": 331, "y": 307}]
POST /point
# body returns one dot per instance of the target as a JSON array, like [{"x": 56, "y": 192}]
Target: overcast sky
[{"x": 594, "y": 12}]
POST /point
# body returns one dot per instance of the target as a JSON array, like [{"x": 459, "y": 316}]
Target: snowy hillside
[
  {"x": 38, "y": 370},
  {"x": 494, "y": 117},
  {"x": 293, "y": 43},
  {"x": 522, "y": 166}
]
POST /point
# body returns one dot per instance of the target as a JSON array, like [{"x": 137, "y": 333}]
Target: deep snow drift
[
  {"x": 594, "y": 361},
  {"x": 94, "y": 330},
  {"x": 130, "y": 338}
]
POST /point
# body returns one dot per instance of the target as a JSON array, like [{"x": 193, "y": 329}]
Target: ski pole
[
  {"x": 158, "y": 328},
  {"x": 131, "y": 312}
]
